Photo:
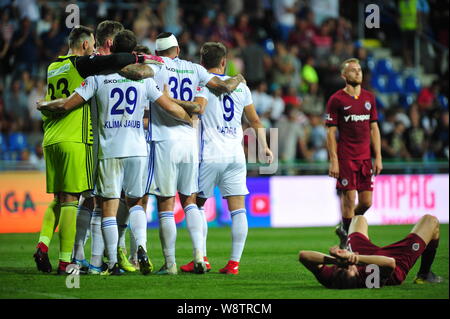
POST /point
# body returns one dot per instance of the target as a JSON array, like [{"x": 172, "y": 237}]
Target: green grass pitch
[{"x": 269, "y": 269}]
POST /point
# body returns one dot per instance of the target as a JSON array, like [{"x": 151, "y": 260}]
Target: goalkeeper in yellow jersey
[{"x": 68, "y": 140}]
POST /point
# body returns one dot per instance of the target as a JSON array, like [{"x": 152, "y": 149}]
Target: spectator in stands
[
  {"x": 16, "y": 101},
  {"x": 278, "y": 104},
  {"x": 427, "y": 96},
  {"x": 285, "y": 11},
  {"x": 36, "y": 158},
  {"x": 291, "y": 137},
  {"x": 222, "y": 31},
  {"x": 302, "y": 37},
  {"x": 310, "y": 78},
  {"x": 169, "y": 12},
  {"x": 393, "y": 145},
  {"x": 37, "y": 93},
  {"x": 440, "y": 137},
  {"x": 291, "y": 96},
  {"x": 286, "y": 71},
  {"x": 263, "y": 102},
  {"x": 242, "y": 30},
  {"x": 415, "y": 136},
  {"x": 254, "y": 58},
  {"x": 408, "y": 26},
  {"x": 25, "y": 45},
  {"x": 318, "y": 139}
]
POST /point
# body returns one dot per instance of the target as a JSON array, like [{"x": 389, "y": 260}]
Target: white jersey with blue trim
[
  {"x": 121, "y": 103},
  {"x": 183, "y": 77},
  {"x": 221, "y": 124}
]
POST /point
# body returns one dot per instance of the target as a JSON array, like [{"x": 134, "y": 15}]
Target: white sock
[
  {"x": 83, "y": 224},
  {"x": 123, "y": 215},
  {"x": 205, "y": 228},
  {"x": 133, "y": 247},
  {"x": 97, "y": 242},
  {"x": 239, "y": 230},
  {"x": 111, "y": 236},
  {"x": 168, "y": 236},
  {"x": 138, "y": 225},
  {"x": 194, "y": 222}
]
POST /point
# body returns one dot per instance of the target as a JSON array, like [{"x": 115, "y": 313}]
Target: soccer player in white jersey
[
  {"x": 222, "y": 158},
  {"x": 174, "y": 150},
  {"x": 122, "y": 147}
]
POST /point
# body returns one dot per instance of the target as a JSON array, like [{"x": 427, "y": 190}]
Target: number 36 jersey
[
  {"x": 221, "y": 124},
  {"x": 182, "y": 77},
  {"x": 120, "y": 104}
]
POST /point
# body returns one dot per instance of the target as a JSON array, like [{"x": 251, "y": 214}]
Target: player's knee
[
  {"x": 365, "y": 205},
  {"x": 359, "y": 219},
  {"x": 302, "y": 256}
]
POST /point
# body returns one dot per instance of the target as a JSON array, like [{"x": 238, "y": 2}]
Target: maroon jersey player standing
[
  {"x": 349, "y": 268},
  {"x": 352, "y": 114}
]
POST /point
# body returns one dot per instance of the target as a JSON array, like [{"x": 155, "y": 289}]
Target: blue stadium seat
[
  {"x": 379, "y": 83},
  {"x": 406, "y": 100},
  {"x": 411, "y": 84},
  {"x": 383, "y": 67},
  {"x": 379, "y": 102},
  {"x": 394, "y": 83},
  {"x": 3, "y": 147},
  {"x": 269, "y": 47},
  {"x": 371, "y": 63},
  {"x": 17, "y": 141},
  {"x": 443, "y": 101}
]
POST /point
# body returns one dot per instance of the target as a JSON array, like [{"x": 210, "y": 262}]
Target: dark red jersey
[{"x": 352, "y": 116}]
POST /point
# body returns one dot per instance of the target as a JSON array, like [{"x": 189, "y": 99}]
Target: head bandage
[{"x": 165, "y": 43}]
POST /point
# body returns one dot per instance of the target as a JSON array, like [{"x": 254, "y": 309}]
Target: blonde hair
[{"x": 346, "y": 62}]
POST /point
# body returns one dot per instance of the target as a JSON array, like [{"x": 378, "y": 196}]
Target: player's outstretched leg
[
  {"x": 110, "y": 235},
  {"x": 51, "y": 220},
  {"x": 138, "y": 226},
  {"x": 84, "y": 214},
  {"x": 189, "y": 267},
  {"x": 67, "y": 230},
  {"x": 96, "y": 265},
  {"x": 123, "y": 215},
  {"x": 167, "y": 234},
  {"x": 427, "y": 228},
  {"x": 239, "y": 231},
  {"x": 194, "y": 222},
  {"x": 348, "y": 198}
]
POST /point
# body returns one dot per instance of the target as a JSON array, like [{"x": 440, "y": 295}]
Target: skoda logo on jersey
[
  {"x": 344, "y": 182},
  {"x": 416, "y": 246},
  {"x": 368, "y": 106}
]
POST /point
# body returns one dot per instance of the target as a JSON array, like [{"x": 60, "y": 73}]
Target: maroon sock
[
  {"x": 43, "y": 247},
  {"x": 428, "y": 256},
  {"x": 346, "y": 222}
]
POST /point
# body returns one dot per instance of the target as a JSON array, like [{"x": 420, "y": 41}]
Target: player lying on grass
[
  {"x": 348, "y": 267},
  {"x": 122, "y": 147}
]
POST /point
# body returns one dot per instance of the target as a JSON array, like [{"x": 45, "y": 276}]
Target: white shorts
[
  {"x": 173, "y": 166},
  {"x": 229, "y": 177},
  {"x": 117, "y": 174}
]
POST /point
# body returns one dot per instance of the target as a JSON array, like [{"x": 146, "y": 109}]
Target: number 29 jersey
[
  {"x": 75, "y": 126},
  {"x": 182, "y": 77},
  {"x": 120, "y": 104},
  {"x": 221, "y": 125}
]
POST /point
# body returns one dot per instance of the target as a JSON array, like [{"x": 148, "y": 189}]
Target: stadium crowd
[{"x": 289, "y": 52}]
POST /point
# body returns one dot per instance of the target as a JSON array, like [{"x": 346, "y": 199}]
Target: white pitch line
[{"x": 44, "y": 294}]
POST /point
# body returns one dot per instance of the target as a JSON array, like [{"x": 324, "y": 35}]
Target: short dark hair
[
  {"x": 142, "y": 49},
  {"x": 341, "y": 280},
  {"x": 167, "y": 51},
  {"x": 107, "y": 29},
  {"x": 211, "y": 53},
  {"x": 78, "y": 35},
  {"x": 124, "y": 41}
]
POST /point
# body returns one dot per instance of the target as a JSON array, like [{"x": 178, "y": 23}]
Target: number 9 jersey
[
  {"x": 221, "y": 124},
  {"x": 75, "y": 126}
]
